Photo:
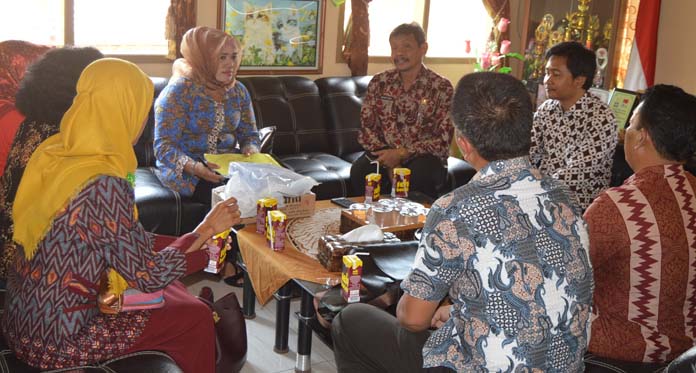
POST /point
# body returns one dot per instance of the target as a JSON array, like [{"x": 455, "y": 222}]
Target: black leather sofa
[{"x": 317, "y": 123}]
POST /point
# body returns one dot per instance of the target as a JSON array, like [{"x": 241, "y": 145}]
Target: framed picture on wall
[{"x": 277, "y": 36}]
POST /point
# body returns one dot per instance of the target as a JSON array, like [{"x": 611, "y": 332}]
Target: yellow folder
[{"x": 224, "y": 160}]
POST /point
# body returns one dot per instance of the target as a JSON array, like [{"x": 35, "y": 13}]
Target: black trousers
[
  {"x": 428, "y": 175},
  {"x": 368, "y": 339}
]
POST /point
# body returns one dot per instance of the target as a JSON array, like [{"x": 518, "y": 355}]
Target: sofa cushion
[
  {"x": 304, "y": 140},
  {"x": 293, "y": 105},
  {"x": 162, "y": 210},
  {"x": 341, "y": 101},
  {"x": 332, "y": 172}
]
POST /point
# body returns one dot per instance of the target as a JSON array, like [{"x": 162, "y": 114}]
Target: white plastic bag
[{"x": 251, "y": 181}]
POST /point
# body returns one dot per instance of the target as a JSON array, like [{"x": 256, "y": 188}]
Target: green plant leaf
[
  {"x": 505, "y": 70},
  {"x": 515, "y": 55},
  {"x": 338, "y": 2}
]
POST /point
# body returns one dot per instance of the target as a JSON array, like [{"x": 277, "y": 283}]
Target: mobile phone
[{"x": 342, "y": 201}]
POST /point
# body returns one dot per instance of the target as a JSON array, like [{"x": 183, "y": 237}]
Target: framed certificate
[{"x": 622, "y": 102}]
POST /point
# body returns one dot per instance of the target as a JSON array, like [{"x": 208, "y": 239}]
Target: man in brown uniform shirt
[{"x": 404, "y": 118}]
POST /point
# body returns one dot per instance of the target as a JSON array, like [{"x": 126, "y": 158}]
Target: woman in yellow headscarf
[{"x": 75, "y": 220}]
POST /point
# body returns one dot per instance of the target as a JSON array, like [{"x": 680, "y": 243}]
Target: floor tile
[
  {"x": 325, "y": 367},
  {"x": 261, "y": 332}
]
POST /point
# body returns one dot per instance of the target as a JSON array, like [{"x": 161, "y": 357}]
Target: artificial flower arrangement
[{"x": 497, "y": 51}]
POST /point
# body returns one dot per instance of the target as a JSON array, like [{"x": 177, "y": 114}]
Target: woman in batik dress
[{"x": 75, "y": 221}]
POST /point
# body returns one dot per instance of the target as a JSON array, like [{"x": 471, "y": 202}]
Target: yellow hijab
[{"x": 96, "y": 138}]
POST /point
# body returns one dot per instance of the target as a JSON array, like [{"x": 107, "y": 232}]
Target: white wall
[
  {"x": 207, "y": 16},
  {"x": 675, "y": 52},
  {"x": 675, "y": 45}
]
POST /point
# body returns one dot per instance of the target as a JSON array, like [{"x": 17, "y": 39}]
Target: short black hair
[
  {"x": 412, "y": 28},
  {"x": 669, "y": 115},
  {"x": 580, "y": 60},
  {"x": 50, "y": 84},
  {"x": 494, "y": 112}
]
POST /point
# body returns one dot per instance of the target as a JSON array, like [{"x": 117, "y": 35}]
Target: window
[
  {"x": 449, "y": 24},
  {"x": 124, "y": 27}
]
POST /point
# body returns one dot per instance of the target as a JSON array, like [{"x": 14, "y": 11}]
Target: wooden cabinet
[{"x": 593, "y": 23}]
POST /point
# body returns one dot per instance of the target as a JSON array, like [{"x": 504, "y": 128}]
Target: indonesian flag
[{"x": 641, "y": 64}]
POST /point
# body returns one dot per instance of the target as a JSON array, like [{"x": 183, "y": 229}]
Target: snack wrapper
[
  {"x": 402, "y": 182},
  {"x": 372, "y": 187},
  {"x": 350, "y": 278},
  {"x": 217, "y": 251},
  {"x": 263, "y": 206},
  {"x": 275, "y": 230}
]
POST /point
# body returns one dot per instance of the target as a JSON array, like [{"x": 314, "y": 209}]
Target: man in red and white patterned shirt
[
  {"x": 574, "y": 134},
  {"x": 643, "y": 238},
  {"x": 404, "y": 118}
]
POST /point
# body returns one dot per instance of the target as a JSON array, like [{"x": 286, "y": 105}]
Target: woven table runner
[{"x": 305, "y": 232}]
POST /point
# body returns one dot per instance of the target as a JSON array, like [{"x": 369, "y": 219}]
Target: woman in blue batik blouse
[{"x": 202, "y": 110}]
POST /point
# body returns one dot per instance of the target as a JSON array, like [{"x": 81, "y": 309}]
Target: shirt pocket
[
  {"x": 426, "y": 111},
  {"x": 385, "y": 109}
]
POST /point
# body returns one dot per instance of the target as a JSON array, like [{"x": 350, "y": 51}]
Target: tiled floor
[{"x": 261, "y": 333}]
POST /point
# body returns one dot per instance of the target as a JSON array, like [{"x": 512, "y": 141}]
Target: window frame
[
  {"x": 69, "y": 39},
  {"x": 386, "y": 59}
]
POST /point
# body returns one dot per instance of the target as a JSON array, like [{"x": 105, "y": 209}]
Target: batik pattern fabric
[
  {"x": 416, "y": 119},
  {"x": 15, "y": 57},
  {"x": 643, "y": 249},
  {"x": 186, "y": 123},
  {"x": 576, "y": 146},
  {"x": 510, "y": 250},
  {"x": 27, "y": 139},
  {"x": 51, "y": 319}
]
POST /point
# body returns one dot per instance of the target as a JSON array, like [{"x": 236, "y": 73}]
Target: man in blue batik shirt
[{"x": 502, "y": 273}]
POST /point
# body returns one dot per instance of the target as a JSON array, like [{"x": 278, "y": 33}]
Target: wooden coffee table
[{"x": 270, "y": 274}]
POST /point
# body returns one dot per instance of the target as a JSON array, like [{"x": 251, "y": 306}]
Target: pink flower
[
  {"x": 496, "y": 58},
  {"x": 505, "y": 47},
  {"x": 485, "y": 61},
  {"x": 467, "y": 46},
  {"x": 503, "y": 24}
]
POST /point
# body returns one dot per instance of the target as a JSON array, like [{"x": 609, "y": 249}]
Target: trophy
[
  {"x": 602, "y": 58},
  {"x": 541, "y": 39}
]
